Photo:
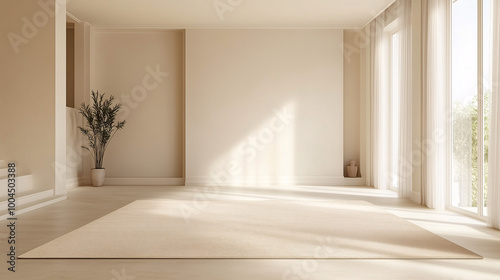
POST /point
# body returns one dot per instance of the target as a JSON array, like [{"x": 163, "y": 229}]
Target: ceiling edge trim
[
  {"x": 387, "y": 5},
  {"x": 169, "y": 27},
  {"x": 68, "y": 14}
]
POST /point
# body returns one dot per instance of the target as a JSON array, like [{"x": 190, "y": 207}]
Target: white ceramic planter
[{"x": 97, "y": 177}]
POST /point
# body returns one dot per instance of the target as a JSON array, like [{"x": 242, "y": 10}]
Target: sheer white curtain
[
  {"x": 405, "y": 97},
  {"x": 494, "y": 152},
  {"x": 391, "y": 105},
  {"x": 379, "y": 106},
  {"x": 437, "y": 100}
]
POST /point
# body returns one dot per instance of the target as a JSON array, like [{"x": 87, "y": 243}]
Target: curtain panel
[
  {"x": 391, "y": 106},
  {"x": 436, "y": 43},
  {"x": 494, "y": 152}
]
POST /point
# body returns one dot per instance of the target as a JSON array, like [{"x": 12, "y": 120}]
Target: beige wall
[
  {"x": 351, "y": 98},
  {"x": 287, "y": 70},
  {"x": 83, "y": 64},
  {"x": 242, "y": 89},
  {"x": 74, "y": 152},
  {"x": 144, "y": 70},
  {"x": 27, "y": 99},
  {"x": 82, "y": 61},
  {"x": 70, "y": 67},
  {"x": 60, "y": 99}
]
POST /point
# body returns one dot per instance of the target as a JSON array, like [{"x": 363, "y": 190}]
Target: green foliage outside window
[{"x": 465, "y": 148}]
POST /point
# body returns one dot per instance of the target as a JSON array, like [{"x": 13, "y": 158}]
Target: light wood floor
[{"x": 86, "y": 204}]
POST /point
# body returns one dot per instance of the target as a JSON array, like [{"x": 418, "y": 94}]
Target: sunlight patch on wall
[{"x": 264, "y": 157}]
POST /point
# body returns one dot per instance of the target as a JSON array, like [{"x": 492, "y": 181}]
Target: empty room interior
[{"x": 250, "y": 139}]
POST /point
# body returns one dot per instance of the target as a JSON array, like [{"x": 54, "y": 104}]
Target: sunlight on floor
[{"x": 88, "y": 204}]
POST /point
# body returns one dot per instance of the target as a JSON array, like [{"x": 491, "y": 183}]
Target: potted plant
[{"x": 100, "y": 129}]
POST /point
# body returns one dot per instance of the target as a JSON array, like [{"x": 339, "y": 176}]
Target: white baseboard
[
  {"x": 84, "y": 181},
  {"x": 354, "y": 182},
  {"x": 46, "y": 202},
  {"x": 416, "y": 197},
  {"x": 72, "y": 183},
  {"x": 26, "y": 199},
  {"x": 24, "y": 183},
  {"x": 76, "y": 182},
  {"x": 206, "y": 180},
  {"x": 144, "y": 181},
  {"x": 272, "y": 181}
]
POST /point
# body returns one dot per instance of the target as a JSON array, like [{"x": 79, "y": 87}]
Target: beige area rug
[{"x": 266, "y": 229}]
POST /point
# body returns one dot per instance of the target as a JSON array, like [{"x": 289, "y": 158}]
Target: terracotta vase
[{"x": 352, "y": 169}]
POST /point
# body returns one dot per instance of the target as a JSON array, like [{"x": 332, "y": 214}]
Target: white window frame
[{"x": 480, "y": 149}]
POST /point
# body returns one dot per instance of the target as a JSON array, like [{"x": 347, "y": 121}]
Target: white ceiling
[{"x": 233, "y": 13}]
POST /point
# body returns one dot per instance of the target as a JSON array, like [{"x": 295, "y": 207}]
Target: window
[{"x": 471, "y": 93}]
